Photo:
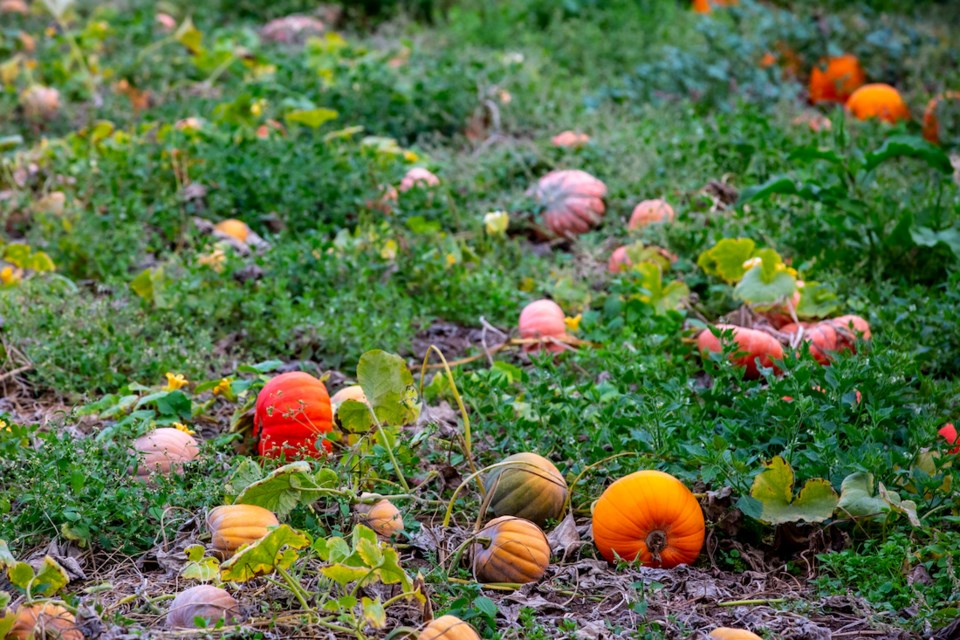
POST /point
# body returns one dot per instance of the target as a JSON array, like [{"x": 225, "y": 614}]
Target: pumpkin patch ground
[{"x": 501, "y": 320}]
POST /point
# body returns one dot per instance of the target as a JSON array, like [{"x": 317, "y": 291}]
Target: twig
[
  {"x": 737, "y": 603},
  {"x": 15, "y": 372}
]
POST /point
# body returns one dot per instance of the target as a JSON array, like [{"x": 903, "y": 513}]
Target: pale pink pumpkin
[
  {"x": 418, "y": 177},
  {"x": 650, "y": 212},
  {"x": 572, "y": 201},
  {"x": 619, "y": 260},
  {"x": 542, "y": 319},
  {"x": 570, "y": 139}
]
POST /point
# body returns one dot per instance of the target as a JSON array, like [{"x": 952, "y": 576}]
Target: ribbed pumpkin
[
  {"x": 235, "y": 525},
  {"x": 948, "y": 101},
  {"x": 353, "y": 392},
  {"x": 204, "y": 601},
  {"x": 45, "y": 620},
  {"x": 878, "y": 101},
  {"x": 649, "y": 516},
  {"x": 572, "y": 201},
  {"x": 517, "y": 552},
  {"x": 292, "y": 411},
  {"x": 726, "y": 633},
  {"x": 650, "y": 212},
  {"x": 382, "y": 516},
  {"x": 534, "y": 489},
  {"x": 448, "y": 628},
  {"x": 418, "y": 177},
  {"x": 831, "y": 336},
  {"x": 236, "y": 229},
  {"x": 542, "y": 319},
  {"x": 751, "y": 344},
  {"x": 836, "y": 79},
  {"x": 164, "y": 450}
]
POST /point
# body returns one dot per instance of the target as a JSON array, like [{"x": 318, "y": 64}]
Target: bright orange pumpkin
[
  {"x": 44, "y": 620},
  {"x": 235, "y": 525},
  {"x": 534, "y": 489},
  {"x": 164, "y": 450},
  {"x": 572, "y": 201},
  {"x": 236, "y": 229},
  {"x": 203, "y": 601},
  {"x": 878, "y": 101},
  {"x": 726, "y": 633},
  {"x": 650, "y": 212},
  {"x": 448, "y": 628},
  {"x": 835, "y": 79},
  {"x": 515, "y": 550},
  {"x": 293, "y": 410},
  {"x": 542, "y": 319},
  {"x": 649, "y": 516},
  {"x": 752, "y": 343},
  {"x": 706, "y": 6},
  {"x": 932, "y": 116}
]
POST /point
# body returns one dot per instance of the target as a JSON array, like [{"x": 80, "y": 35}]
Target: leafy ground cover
[{"x": 132, "y": 131}]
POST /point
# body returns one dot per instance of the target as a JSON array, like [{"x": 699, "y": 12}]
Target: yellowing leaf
[
  {"x": 374, "y": 613},
  {"x": 388, "y": 386},
  {"x": 725, "y": 259},
  {"x": 312, "y": 118},
  {"x": 190, "y": 37},
  {"x": 771, "y": 498},
  {"x": 282, "y": 490},
  {"x": 276, "y": 549}
]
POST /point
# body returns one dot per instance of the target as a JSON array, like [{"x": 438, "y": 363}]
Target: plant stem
[
  {"x": 295, "y": 587},
  {"x": 737, "y": 603}
]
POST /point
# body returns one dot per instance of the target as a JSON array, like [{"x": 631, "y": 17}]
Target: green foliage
[{"x": 772, "y": 501}]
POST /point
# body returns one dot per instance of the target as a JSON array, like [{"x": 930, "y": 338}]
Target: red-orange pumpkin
[
  {"x": 706, "y": 6},
  {"x": 751, "y": 344},
  {"x": 932, "y": 116},
  {"x": 831, "y": 336},
  {"x": 572, "y": 201},
  {"x": 293, "y": 410},
  {"x": 878, "y": 101},
  {"x": 836, "y": 79},
  {"x": 164, "y": 450},
  {"x": 949, "y": 433},
  {"x": 650, "y": 212},
  {"x": 542, "y": 319},
  {"x": 649, "y": 516}
]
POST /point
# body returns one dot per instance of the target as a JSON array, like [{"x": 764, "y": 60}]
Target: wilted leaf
[
  {"x": 50, "y": 579},
  {"x": 312, "y": 118},
  {"x": 190, "y": 37},
  {"x": 388, "y": 386},
  {"x": 772, "y": 500},
  {"x": 7, "y": 618},
  {"x": 374, "y": 613},
  {"x": 6, "y": 558},
  {"x": 904, "y": 507},
  {"x": 725, "y": 259},
  {"x": 282, "y": 490},
  {"x": 276, "y": 549},
  {"x": 857, "y": 498},
  {"x": 246, "y": 473}
]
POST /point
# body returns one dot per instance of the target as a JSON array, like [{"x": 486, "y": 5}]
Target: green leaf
[
  {"x": 282, "y": 490},
  {"x": 817, "y": 301},
  {"x": 344, "y": 575},
  {"x": 857, "y": 498},
  {"x": 246, "y": 473},
  {"x": 926, "y": 237},
  {"x": 150, "y": 285},
  {"x": 198, "y": 567},
  {"x": 190, "y": 37},
  {"x": 175, "y": 405},
  {"x": 388, "y": 387},
  {"x": 354, "y": 416},
  {"x": 6, "y": 558},
  {"x": 40, "y": 262},
  {"x": 725, "y": 259},
  {"x": 20, "y": 574},
  {"x": 776, "y": 185},
  {"x": 17, "y": 254},
  {"x": 276, "y": 549},
  {"x": 391, "y": 572},
  {"x": 904, "y": 146},
  {"x": 7, "y": 618},
  {"x": 50, "y": 579},
  {"x": 312, "y": 118},
  {"x": 333, "y": 550},
  {"x": 756, "y": 289},
  {"x": 773, "y": 490},
  {"x": 326, "y": 478},
  {"x": 374, "y": 613}
]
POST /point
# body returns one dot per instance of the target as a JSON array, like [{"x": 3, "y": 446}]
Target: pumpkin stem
[{"x": 656, "y": 542}]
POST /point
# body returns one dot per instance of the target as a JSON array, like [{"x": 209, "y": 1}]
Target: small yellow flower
[
  {"x": 4, "y": 426},
  {"x": 179, "y": 426},
  {"x": 752, "y": 262},
  {"x": 214, "y": 260},
  {"x": 223, "y": 387},
  {"x": 175, "y": 381},
  {"x": 573, "y": 324},
  {"x": 496, "y": 222},
  {"x": 10, "y": 276},
  {"x": 451, "y": 259},
  {"x": 256, "y": 109},
  {"x": 410, "y": 156},
  {"x": 389, "y": 250}
]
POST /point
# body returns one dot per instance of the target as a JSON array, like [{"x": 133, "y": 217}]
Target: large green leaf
[
  {"x": 857, "y": 499},
  {"x": 926, "y": 237},
  {"x": 282, "y": 490},
  {"x": 771, "y": 498},
  {"x": 388, "y": 386},
  {"x": 725, "y": 259},
  {"x": 904, "y": 146},
  {"x": 755, "y": 288},
  {"x": 263, "y": 557},
  {"x": 246, "y": 473},
  {"x": 817, "y": 301}
]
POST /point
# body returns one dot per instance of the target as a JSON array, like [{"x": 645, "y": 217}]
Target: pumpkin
[
  {"x": 650, "y": 212},
  {"x": 534, "y": 490},
  {"x": 816, "y": 122},
  {"x": 949, "y": 433},
  {"x": 706, "y": 6},
  {"x": 204, "y": 601},
  {"x": 353, "y": 392},
  {"x": 235, "y": 525},
  {"x": 164, "y": 450},
  {"x": 932, "y": 114},
  {"x": 570, "y": 139},
  {"x": 383, "y": 517},
  {"x": 751, "y": 344},
  {"x": 726, "y": 633},
  {"x": 40, "y": 103},
  {"x": 44, "y": 620},
  {"x": 515, "y": 550},
  {"x": 292, "y": 410},
  {"x": 418, "y": 177},
  {"x": 542, "y": 319},
  {"x": 878, "y": 101},
  {"x": 829, "y": 336},
  {"x": 14, "y": 6},
  {"x": 572, "y": 201},
  {"x": 236, "y": 229},
  {"x": 619, "y": 261},
  {"x": 448, "y": 628},
  {"x": 649, "y": 516},
  {"x": 835, "y": 79},
  {"x": 292, "y": 29}
]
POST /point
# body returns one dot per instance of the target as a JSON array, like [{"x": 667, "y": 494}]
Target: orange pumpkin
[
  {"x": 821, "y": 336},
  {"x": 534, "y": 489},
  {"x": 236, "y": 229},
  {"x": 726, "y": 633},
  {"x": 878, "y": 101},
  {"x": 235, "y": 525},
  {"x": 542, "y": 319},
  {"x": 44, "y": 620},
  {"x": 649, "y": 516},
  {"x": 383, "y": 517},
  {"x": 14, "y": 6},
  {"x": 164, "y": 450},
  {"x": 572, "y": 201},
  {"x": 849, "y": 328},
  {"x": 932, "y": 115},
  {"x": 949, "y": 433},
  {"x": 513, "y": 550},
  {"x": 570, "y": 139},
  {"x": 650, "y": 212},
  {"x": 751, "y": 344},
  {"x": 835, "y": 79},
  {"x": 706, "y": 6},
  {"x": 418, "y": 177},
  {"x": 448, "y": 628},
  {"x": 619, "y": 261},
  {"x": 292, "y": 411},
  {"x": 40, "y": 103},
  {"x": 204, "y": 601},
  {"x": 778, "y": 315}
]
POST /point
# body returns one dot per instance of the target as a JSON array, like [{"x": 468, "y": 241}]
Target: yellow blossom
[
  {"x": 573, "y": 324},
  {"x": 179, "y": 426},
  {"x": 4, "y": 426},
  {"x": 214, "y": 260},
  {"x": 496, "y": 223},
  {"x": 223, "y": 387},
  {"x": 410, "y": 156},
  {"x": 451, "y": 259},
  {"x": 389, "y": 250},
  {"x": 10, "y": 276},
  {"x": 175, "y": 381},
  {"x": 256, "y": 108}
]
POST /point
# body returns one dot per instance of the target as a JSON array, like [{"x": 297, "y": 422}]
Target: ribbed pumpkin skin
[
  {"x": 878, "y": 101},
  {"x": 234, "y": 525},
  {"x": 726, "y": 633},
  {"x": 634, "y": 508},
  {"x": 536, "y": 493},
  {"x": 236, "y": 229},
  {"x": 448, "y": 628},
  {"x": 931, "y": 117},
  {"x": 650, "y": 212},
  {"x": 47, "y": 620},
  {"x": 383, "y": 517},
  {"x": 572, "y": 201},
  {"x": 755, "y": 344},
  {"x": 831, "y": 336},
  {"x": 353, "y": 392},
  {"x": 164, "y": 450},
  {"x": 518, "y": 552},
  {"x": 542, "y": 319},
  {"x": 837, "y": 80},
  {"x": 293, "y": 410},
  {"x": 202, "y": 601}
]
